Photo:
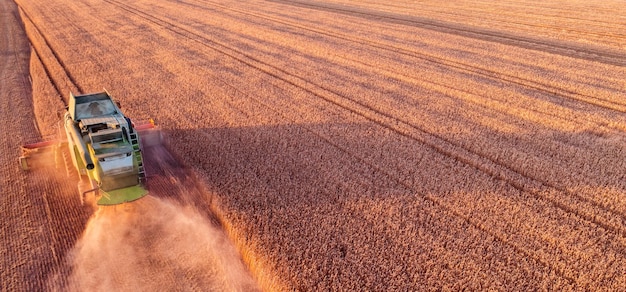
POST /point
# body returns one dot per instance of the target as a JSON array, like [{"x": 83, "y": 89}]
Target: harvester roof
[{"x": 91, "y": 106}]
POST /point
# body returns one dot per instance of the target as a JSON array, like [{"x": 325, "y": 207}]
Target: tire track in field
[
  {"x": 16, "y": 49},
  {"x": 484, "y": 72},
  {"x": 457, "y": 65},
  {"x": 541, "y": 12},
  {"x": 536, "y": 15},
  {"x": 460, "y": 67},
  {"x": 601, "y": 55},
  {"x": 583, "y": 207},
  {"x": 49, "y": 59},
  {"x": 307, "y": 87}
]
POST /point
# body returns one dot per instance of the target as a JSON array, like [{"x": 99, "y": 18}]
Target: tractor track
[
  {"x": 565, "y": 49},
  {"x": 579, "y": 205},
  {"x": 558, "y": 15},
  {"x": 501, "y": 104},
  {"x": 473, "y": 98},
  {"x": 16, "y": 15},
  {"x": 499, "y": 76},
  {"x": 539, "y": 188},
  {"x": 533, "y": 13},
  {"x": 51, "y": 59}
]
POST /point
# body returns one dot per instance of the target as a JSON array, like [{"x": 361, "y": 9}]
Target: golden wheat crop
[{"x": 368, "y": 145}]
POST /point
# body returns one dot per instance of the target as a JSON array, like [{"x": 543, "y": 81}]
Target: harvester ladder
[
  {"x": 134, "y": 140},
  {"x": 70, "y": 171}
]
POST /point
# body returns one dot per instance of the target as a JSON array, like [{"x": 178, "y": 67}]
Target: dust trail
[{"x": 153, "y": 245}]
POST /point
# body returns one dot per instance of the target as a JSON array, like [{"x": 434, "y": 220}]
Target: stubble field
[{"x": 339, "y": 145}]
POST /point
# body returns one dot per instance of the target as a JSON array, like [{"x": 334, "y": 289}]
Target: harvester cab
[{"x": 104, "y": 148}]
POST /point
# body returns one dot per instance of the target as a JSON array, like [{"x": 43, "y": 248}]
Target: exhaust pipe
[{"x": 78, "y": 141}]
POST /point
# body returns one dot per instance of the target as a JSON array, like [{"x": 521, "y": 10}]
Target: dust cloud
[{"x": 153, "y": 245}]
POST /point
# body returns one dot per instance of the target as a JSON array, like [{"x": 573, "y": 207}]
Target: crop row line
[
  {"x": 16, "y": 50},
  {"x": 571, "y": 50},
  {"x": 527, "y": 14},
  {"x": 36, "y": 49},
  {"x": 53, "y": 57},
  {"x": 463, "y": 68},
  {"x": 541, "y": 10}
]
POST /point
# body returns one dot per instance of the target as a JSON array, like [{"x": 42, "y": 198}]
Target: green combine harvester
[{"x": 104, "y": 148}]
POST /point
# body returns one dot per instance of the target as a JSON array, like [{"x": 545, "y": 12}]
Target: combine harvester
[{"x": 104, "y": 147}]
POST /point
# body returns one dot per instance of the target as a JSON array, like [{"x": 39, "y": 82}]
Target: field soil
[{"x": 327, "y": 145}]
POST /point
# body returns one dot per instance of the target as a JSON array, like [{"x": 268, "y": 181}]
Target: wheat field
[{"x": 339, "y": 144}]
